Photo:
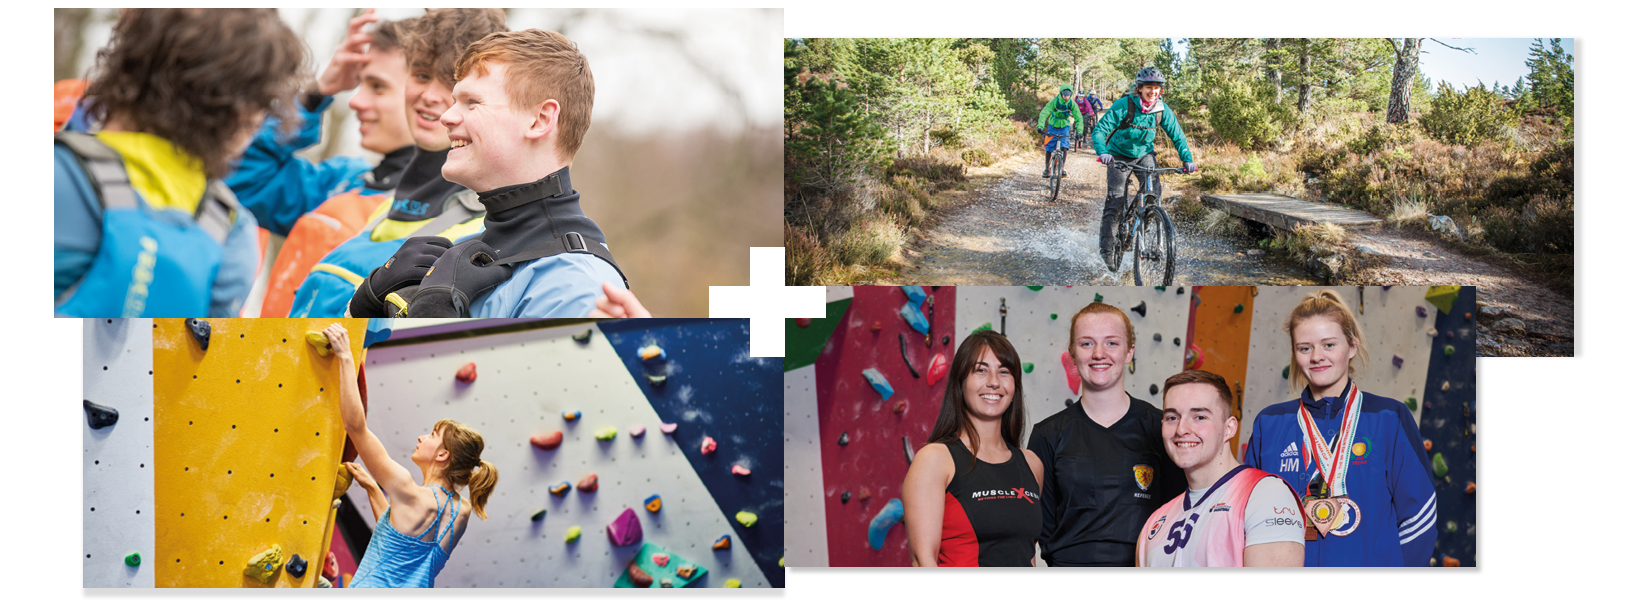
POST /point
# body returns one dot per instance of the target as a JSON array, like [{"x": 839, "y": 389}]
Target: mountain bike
[
  {"x": 1147, "y": 227},
  {"x": 1057, "y": 163}
]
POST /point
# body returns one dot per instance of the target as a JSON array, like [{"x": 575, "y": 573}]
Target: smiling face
[
  {"x": 1100, "y": 350},
  {"x": 427, "y": 98},
  {"x": 989, "y": 387},
  {"x": 1196, "y": 424},
  {"x": 380, "y": 102},
  {"x": 492, "y": 141},
  {"x": 1322, "y": 351},
  {"x": 1150, "y": 92}
]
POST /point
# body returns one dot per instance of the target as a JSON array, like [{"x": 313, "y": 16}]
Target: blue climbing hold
[
  {"x": 915, "y": 293},
  {"x": 911, "y": 313},
  {"x": 889, "y": 515},
  {"x": 879, "y": 382}
]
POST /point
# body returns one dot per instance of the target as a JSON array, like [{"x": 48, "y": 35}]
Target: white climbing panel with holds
[{"x": 118, "y": 488}]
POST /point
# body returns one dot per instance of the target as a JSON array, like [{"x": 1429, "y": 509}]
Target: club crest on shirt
[
  {"x": 1219, "y": 507},
  {"x": 1142, "y": 476},
  {"x": 1156, "y": 526},
  {"x": 1359, "y": 449}
]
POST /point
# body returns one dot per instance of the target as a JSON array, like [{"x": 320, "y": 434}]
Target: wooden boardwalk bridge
[{"x": 1287, "y": 212}]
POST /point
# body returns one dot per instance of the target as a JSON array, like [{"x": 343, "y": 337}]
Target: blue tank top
[{"x": 396, "y": 560}]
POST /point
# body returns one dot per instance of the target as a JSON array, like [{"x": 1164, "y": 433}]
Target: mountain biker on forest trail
[
  {"x": 1057, "y": 118},
  {"x": 1129, "y": 130}
]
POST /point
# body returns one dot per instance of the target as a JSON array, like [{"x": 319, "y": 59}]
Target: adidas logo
[{"x": 1291, "y": 450}]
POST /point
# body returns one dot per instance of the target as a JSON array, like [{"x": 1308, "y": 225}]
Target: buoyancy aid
[
  {"x": 322, "y": 230},
  {"x": 150, "y": 262},
  {"x": 541, "y": 219}
]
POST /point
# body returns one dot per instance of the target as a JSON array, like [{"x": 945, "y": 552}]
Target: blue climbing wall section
[
  {"x": 715, "y": 388},
  {"x": 1449, "y": 428}
]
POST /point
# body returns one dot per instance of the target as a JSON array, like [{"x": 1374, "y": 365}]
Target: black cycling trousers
[{"x": 1117, "y": 181}]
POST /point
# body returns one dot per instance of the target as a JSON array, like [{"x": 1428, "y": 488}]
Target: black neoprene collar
[{"x": 422, "y": 192}]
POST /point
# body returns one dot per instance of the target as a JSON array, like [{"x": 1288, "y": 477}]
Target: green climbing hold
[
  {"x": 572, "y": 535},
  {"x": 1284, "y": 371},
  {"x": 1439, "y": 467},
  {"x": 746, "y": 518},
  {"x": 1026, "y": 367},
  {"x": 1443, "y": 297},
  {"x": 1160, "y": 288},
  {"x": 1450, "y": 526},
  {"x": 1411, "y": 402},
  {"x": 1053, "y": 316},
  {"x": 1239, "y": 308},
  {"x": 134, "y": 559},
  {"x": 607, "y": 433},
  {"x": 988, "y": 326},
  {"x": 1100, "y": 298},
  {"x": 1449, "y": 350},
  {"x": 1035, "y": 287}
]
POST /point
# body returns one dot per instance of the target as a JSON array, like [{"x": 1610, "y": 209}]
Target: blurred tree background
[{"x": 680, "y": 165}]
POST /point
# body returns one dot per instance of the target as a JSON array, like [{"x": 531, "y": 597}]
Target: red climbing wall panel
[{"x": 874, "y": 457}]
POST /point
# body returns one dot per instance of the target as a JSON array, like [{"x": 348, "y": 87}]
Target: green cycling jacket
[
  {"x": 1060, "y": 112},
  {"x": 1136, "y": 140}
]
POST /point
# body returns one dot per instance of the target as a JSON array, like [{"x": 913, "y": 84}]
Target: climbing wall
[
  {"x": 1450, "y": 431},
  {"x": 1396, "y": 321},
  {"x": 804, "y": 478},
  {"x": 248, "y": 439},
  {"x": 527, "y": 381},
  {"x": 118, "y": 488},
  {"x": 1220, "y": 327},
  {"x": 1036, "y": 321},
  {"x": 874, "y": 460}
]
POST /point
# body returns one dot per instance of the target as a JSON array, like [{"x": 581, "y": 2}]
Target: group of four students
[{"x": 1114, "y": 481}]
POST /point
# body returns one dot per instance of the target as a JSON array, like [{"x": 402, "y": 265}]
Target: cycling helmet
[{"x": 1150, "y": 75}]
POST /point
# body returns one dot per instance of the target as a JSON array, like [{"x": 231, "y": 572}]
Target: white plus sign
[{"x": 767, "y": 302}]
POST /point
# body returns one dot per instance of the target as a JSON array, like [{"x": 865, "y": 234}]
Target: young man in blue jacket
[{"x": 522, "y": 104}]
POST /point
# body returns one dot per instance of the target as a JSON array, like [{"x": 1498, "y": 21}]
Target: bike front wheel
[
  {"x": 1153, "y": 248},
  {"x": 1057, "y": 162}
]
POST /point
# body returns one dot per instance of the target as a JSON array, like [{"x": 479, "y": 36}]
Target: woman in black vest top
[{"x": 971, "y": 495}]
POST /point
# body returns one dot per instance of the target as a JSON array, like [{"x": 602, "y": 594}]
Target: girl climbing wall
[{"x": 416, "y": 534}]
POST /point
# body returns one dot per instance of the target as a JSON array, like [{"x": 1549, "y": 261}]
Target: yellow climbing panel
[{"x": 246, "y": 445}]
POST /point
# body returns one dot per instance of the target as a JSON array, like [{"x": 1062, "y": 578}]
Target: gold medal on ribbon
[
  {"x": 1321, "y": 512},
  {"x": 1334, "y": 512}
]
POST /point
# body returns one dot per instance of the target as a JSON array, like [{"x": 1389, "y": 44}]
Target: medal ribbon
[{"x": 1333, "y": 464}]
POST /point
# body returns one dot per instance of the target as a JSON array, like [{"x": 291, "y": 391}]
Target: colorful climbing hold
[
  {"x": 466, "y": 373},
  {"x": 1444, "y": 386},
  {"x": 606, "y": 433},
  {"x": 1160, "y": 288},
  {"x": 343, "y": 483},
  {"x": 889, "y": 515},
  {"x": 296, "y": 566},
  {"x": 1440, "y": 468},
  {"x": 1411, "y": 402},
  {"x": 1443, "y": 297},
  {"x": 1074, "y": 380},
  {"x": 846, "y": 496},
  {"x": 200, "y": 332},
  {"x": 330, "y": 565},
  {"x": 722, "y": 542},
  {"x": 874, "y": 327},
  {"x": 134, "y": 559},
  {"x": 538, "y": 515},
  {"x": 899, "y": 407},
  {"x": 572, "y": 535},
  {"x": 988, "y": 326},
  {"x": 635, "y": 432},
  {"x": 319, "y": 340},
  {"x": 559, "y": 489},
  {"x": 665, "y": 582},
  {"x": 746, "y": 518},
  {"x": 1427, "y": 444},
  {"x": 708, "y": 446},
  {"x": 687, "y": 570},
  {"x": 661, "y": 559},
  {"x": 651, "y": 352},
  {"x": 1139, "y": 308},
  {"x": 264, "y": 564},
  {"x": 863, "y": 494},
  {"x": 547, "y": 442},
  {"x": 740, "y": 470},
  {"x": 100, "y": 416},
  {"x": 1399, "y": 363},
  {"x": 583, "y": 337},
  {"x": 588, "y": 483},
  {"x": 879, "y": 383},
  {"x": 1239, "y": 308},
  {"x": 1449, "y": 350},
  {"x": 1450, "y": 526},
  {"x": 571, "y": 416},
  {"x": 1472, "y": 487},
  {"x": 655, "y": 380},
  {"x": 668, "y": 428},
  {"x": 652, "y": 503},
  {"x": 732, "y": 583},
  {"x": 1451, "y": 562},
  {"x": 625, "y": 529},
  {"x": 843, "y": 440},
  {"x": 1053, "y": 316},
  {"x": 638, "y": 577},
  {"x": 937, "y": 370},
  {"x": 916, "y": 294},
  {"x": 911, "y": 314},
  {"x": 1035, "y": 287},
  {"x": 803, "y": 323},
  {"x": 1421, "y": 312},
  {"x": 1026, "y": 367}
]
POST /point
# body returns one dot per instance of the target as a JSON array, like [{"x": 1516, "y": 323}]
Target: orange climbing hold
[
  {"x": 548, "y": 442},
  {"x": 1448, "y": 561},
  {"x": 467, "y": 374},
  {"x": 588, "y": 483}
]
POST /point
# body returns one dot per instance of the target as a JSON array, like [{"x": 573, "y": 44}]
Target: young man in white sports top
[{"x": 1233, "y": 515}]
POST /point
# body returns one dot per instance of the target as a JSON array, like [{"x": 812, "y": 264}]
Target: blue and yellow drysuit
[{"x": 143, "y": 239}]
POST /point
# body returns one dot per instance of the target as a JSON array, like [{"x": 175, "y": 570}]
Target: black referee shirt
[{"x": 1101, "y": 483}]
